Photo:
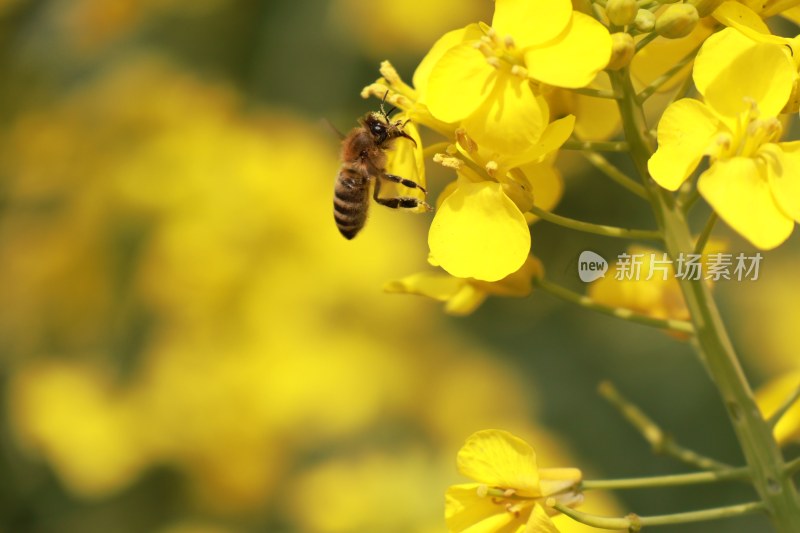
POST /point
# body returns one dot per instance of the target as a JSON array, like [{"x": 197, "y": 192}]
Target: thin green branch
[
  {"x": 674, "y": 326},
  {"x": 616, "y": 175},
  {"x": 792, "y": 467},
  {"x": 596, "y": 93},
  {"x": 702, "y": 239},
  {"x": 784, "y": 407},
  {"x": 596, "y": 229},
  {"x": 634, "y": 522},
  {"x": 688, "y": 195},
  {"x": 741, "y": 473},
  {"x": 660, "y": 442},
  {"x": 650, "y": 37},
  {"x": 656, "y": 84},
  {"x": 596, "y": 146}
]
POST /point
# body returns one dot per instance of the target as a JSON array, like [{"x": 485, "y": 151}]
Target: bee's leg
[
  {"x": 398, "y": 202},
  {"x": 402, "y": 181}
]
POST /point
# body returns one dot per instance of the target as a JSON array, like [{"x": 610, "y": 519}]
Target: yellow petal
[
  {"x": 554, "y": 135},
  {"x": 739, "y": 191},
  {"x": 466, "y": 511},
  {"x": 735, "y": 14},
  {"x": 406, "y": 159},
  {"x": 511, "y": 119},
  {"x": 762, "y": 72},
  {"x": 531, "y": 22},
  {"x": 466, "y": 300},
  {"x": 445, "y": 43},
  {"x": 478, "y": 232},
  {"x": 499, "y": 459},
  {"x": 716, "y": 53},
  {"x": 784, "y": 175},
  {"x": 585, "y": 47},
  {"x": 459, "y": 83},
  {"x": 772, "y": 395},
  {"x": 684, "y": 132},
  {"x": 546, "y": 183},
  {"x": 540, "y": 522},
  {"x": 440, "y": 287}
]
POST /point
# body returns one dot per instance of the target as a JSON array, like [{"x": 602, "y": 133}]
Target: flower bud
[
  {"x": 622, "y": 50},
  {"x": 621, "y": 12},
  {"x": 705, "y": 7},
  {"x": 677, "y": 21},
  {"x": 645, "y": 21}
]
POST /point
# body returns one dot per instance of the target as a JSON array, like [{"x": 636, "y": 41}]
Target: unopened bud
[
  {"x": 645, "y": 21},
  {"x": 705, "y": 7},
  {"x": 677, "y": 21},
  {"x": 622, "y": 50},
  {"x": 621, "y": 12}
]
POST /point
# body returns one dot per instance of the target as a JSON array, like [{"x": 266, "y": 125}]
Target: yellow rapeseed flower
[
  {"x": 753, "y": 181},
  {"x": 511, "y": 490},
  {"x": 480, "y": 75},
  {"x": 772, "y": 395}
]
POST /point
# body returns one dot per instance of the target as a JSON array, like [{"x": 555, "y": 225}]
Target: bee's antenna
[{"x": 384, "y": 113}]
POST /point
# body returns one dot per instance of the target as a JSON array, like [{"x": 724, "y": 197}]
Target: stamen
[
  {"x": 491, "y": 169},
  {"x": 493, "y": 61},
  {"x": 509, "y": 41},
  {"x": 519, "y": 70},
  {"x": 389, "y": 72},
  {"x": 449, "y": 162},
  {"x": 465, "y": 141},
  {"x": 483, "y": 490}
]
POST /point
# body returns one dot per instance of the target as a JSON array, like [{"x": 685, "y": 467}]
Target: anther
[
  {"x": 509, "y": 41},
  {"x": 520, "y": 71},
  {"x": 389, "y": 72},
  {"x": 493, "y": 61}
]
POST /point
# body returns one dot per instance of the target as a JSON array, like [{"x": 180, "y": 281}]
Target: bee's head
[{"x": 382, "y": 129}]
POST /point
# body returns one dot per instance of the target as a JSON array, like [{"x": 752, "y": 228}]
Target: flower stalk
[{"x": 711, "y": 341}]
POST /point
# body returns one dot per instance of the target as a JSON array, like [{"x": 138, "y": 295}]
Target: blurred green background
[{"x": 188, "y": 345}]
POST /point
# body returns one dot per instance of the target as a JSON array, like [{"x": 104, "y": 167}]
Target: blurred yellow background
[{"x": 189, "y": 346}]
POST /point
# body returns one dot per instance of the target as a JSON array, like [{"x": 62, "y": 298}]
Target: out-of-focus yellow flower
[
  {"x": 73, "y": 416},
  {"x": 462, "y": 296},
  {"x": 396, "y": 491},
  {"x": 772, "y": 395},
  {"x": 655, "y": 291},
  {"x": 753, "y": 182},
  {"x": 659, "y": 297},
  {"x": 511, "y": 490},
  {"x": 478, "y": 76},
  {"x": 383, "y": 27}
]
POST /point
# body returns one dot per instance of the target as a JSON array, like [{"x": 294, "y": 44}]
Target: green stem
[
  {"x": 616, "y": 175},
  {"x": 674, "y": 326},
  {"x": 635, "y": 523},
  {"x": 660, "y": 442},
  {"x": 656, "y": 84},
  {"x": 693, "y": 478},
  {"x": 596, "y": 93},
  {"x": 596, "y": 229},
  {"x": 596, "y": 146},
  {"x": 702, "y": 240},
  {"x": 650, "y": 37},
  {"x": 776, "y": 489}
]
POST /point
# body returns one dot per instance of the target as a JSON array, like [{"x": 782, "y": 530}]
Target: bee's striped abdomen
[{"x": 350, "y": 202}]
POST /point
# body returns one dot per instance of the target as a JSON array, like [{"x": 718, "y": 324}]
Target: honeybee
[{"x": 364, "y": 162}]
